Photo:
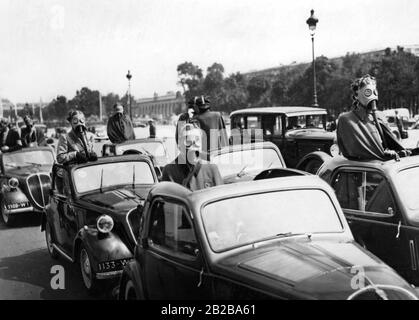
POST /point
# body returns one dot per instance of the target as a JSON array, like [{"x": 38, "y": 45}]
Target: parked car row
[{"x": 272, "y": 231}]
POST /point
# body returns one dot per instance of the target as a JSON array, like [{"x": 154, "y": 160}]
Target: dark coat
[
  {"x": 202, "y": 175},
  {"x": 358, "y": 137},
  {"x": 120, "y": 128},
  {"x": 212, "y": 123},
  {"x": 13, "y": 140},
  {"x": 28, "y": 136}
]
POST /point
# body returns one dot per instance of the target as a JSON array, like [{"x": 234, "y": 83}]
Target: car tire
[
  {"x": 129, "y": 291},
  {"x": 48, "y": 239},
  {"x": 88, "y": 275},
  {"x": 8, "y": 220}
]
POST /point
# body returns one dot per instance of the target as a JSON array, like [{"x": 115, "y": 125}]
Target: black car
[
  {"x": 299, "y": 132},
  {"x": 380, "y": 202},
  {"x": 253, "y": 240},
  {"x": 90, "y": 216},
  {"x": 25, "y": 182}
]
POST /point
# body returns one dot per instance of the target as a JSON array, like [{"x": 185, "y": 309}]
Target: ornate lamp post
[
  {"x": 312, "y": 22},
  {"x": 129, "y": 76}
]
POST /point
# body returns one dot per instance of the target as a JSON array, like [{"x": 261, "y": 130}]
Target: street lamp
[
  {"x": 312, "y": 21},
  {"x": 129, "y": 76}
]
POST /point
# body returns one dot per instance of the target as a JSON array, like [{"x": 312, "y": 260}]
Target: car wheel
[
  {"x": 48, "y": 238},
  {"x": 313, "y": 165},
  {"x": 89, "y": 278},
  {"x": 7, "y": 219}
]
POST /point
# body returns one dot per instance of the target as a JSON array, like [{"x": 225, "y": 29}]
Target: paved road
[{"x": 25, "y": 266}]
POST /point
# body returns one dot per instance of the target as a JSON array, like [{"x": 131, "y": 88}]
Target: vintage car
[
  {"x": 380, "y": 202},
  {"x": 87, "y": 220},
  {"x": 283, "y": 238},
  {"x": 154, "y": 147},
  {"x": 299, "y": 132},
  {"x": 25, "y": 181},
  {"x": 244, "y": 162}
]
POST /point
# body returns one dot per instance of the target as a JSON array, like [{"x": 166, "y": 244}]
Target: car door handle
[{"x": 398, "y": 229}]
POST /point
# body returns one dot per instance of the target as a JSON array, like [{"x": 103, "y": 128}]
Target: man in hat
[
  {"x": 188, "y": 169},
  {"x": 212, "y": 124},
  {"x": 120, "y": 128},
  {"x": 362, "y": 133},
  {"x": 3, "y": 131},
  {"x": 28, "y": 134}
]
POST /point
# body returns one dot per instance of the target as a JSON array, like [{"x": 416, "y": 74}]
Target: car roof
[
  {"x": 385, "y": 166},
  {"x": 134, "y": 141},
  {"x": 113, "y": 159},
  {"x": 287, "y": 110},
  {"x": 22, "y": 150},
  {"x": 246, "y": 146},
  {"x": 243, "y": 188}
]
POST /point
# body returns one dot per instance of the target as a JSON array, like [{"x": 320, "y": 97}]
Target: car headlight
[
  {"x": 13, "y": 183},
  {"x": 334, "y": 150},
  {"x": 104, "y": 223}
]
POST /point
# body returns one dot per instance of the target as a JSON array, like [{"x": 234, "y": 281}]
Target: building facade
[{"x": 160, "y": 107}]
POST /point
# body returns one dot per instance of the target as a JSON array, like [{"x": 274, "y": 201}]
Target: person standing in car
[
  {"x": 28, "y": 134},
  {"x": 75, "y": 146},
  {"x": 120, "y": 128}
]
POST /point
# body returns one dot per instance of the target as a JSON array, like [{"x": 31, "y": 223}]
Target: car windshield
[
  {"x": 241, "y": 161},
  {"x": 106, "y": 175},
  {"x": 407, "y": 184},
  {"x": 16, "y": 160},
  {"x": 154, "y": 148},
  {"x": 238, "y": 221},
  {"x": 306, "y": 121}
]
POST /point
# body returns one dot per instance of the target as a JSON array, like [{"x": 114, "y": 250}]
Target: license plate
[
  {"x": 13, "y": 206},
  {"x": 113, "y": 265}
]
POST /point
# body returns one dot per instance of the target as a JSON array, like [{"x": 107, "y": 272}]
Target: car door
[
  {"x": 173, "y": 263},
  {"x": 65, "y": 222},
  {"x": 373, "y": 216}
]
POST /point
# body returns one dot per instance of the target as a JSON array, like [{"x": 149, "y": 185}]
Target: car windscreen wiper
[
  {"x": 279, "y": 235},
  {"x": 242, "y": 172}
]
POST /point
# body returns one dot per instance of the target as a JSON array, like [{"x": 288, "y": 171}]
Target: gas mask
[
  {"x": 367, "y": 91},
  {"x": 78, "y": 123},
  {"x": 190, "y": 143}
]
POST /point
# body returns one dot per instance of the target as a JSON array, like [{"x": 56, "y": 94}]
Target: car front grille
[{"x": 38, "y": 186}]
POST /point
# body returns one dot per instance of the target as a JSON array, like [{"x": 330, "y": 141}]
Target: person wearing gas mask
[
  {"x": 119, "y": 127},
  {"x": 362, "y": 133},
  {"x": 187, "y": 117},
  {"x": 28, "y": 134},
  {"x": 188, "y": 169},
  {"x": 75, "y": 146}
]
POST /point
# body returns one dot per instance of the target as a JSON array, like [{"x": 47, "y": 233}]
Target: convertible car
[
  {"x": 90, "y": 216},
  {"x": 245, "y": 162},
  {"x": 25, "y": 181},
  {"x": 154, "y": 147},
  {"x": 217, "y": 243},
  {"x": 381, "y": 205}
]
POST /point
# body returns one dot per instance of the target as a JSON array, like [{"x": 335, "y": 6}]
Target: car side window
[
  {"x": 171, "y": 228},
  {"x": 364, "y": 191}
]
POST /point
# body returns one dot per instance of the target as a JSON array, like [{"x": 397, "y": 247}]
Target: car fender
[
  {"x": 316, "y": 155},
  {"x": 132, "y": 271},
  {"x": 13, "y": 196},
  {"x": 101, "y": 247}
]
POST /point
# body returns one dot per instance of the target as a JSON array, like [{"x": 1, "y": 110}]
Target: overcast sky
[{"x": 51, "y": 47}]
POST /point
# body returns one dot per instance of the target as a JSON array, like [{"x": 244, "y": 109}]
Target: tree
[
  {"x": 213, "y": 84},
  {"x": 190, "y": 78},
  {"x": 87, "y": 101},
  {"x": 258, "y": 89},
  {"x": 108, "y": 102}
]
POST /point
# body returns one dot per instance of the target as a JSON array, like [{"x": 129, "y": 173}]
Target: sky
[{"x": 55, "y": 47}]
